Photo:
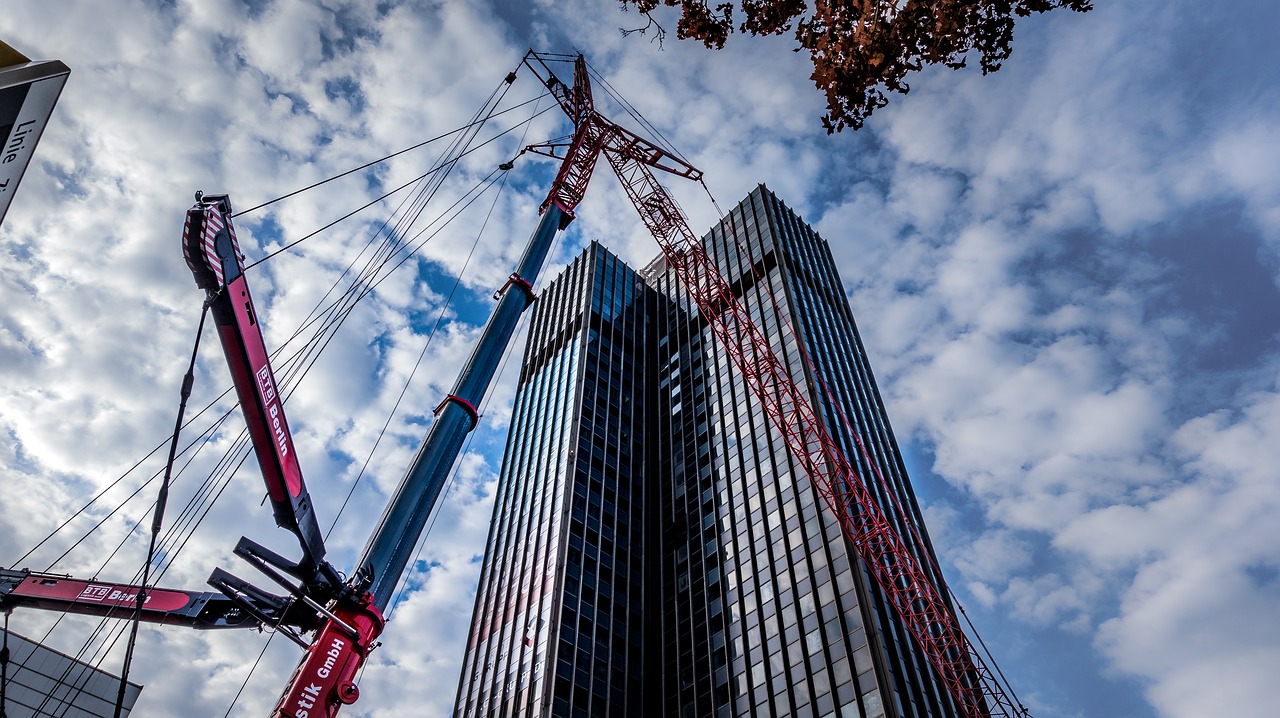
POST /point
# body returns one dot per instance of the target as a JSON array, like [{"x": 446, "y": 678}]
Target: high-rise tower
[{"x": 655, "y": 551}]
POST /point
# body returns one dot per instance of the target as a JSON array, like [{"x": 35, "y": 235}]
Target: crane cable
[
  {"x": 4, "y": 666},
  {"x": 439, "y": 320},
  {"x": 161, "y": 501},
  {"x": 366, "y": 282},
  {"x": 385, "y": 158},
  {"x": 187, "y": 523},
  {"x": 444, "y": 307},
  {"x": 120, "y": 479},
  {"x": 634, "y": 112},
  {"x": 157, "y": 520},
  {"x": 158, "y": 517},
  {"x": 243, "y": 684},
  {"x": 178, "y": 533},
  {"x": 453, "y": 473}
]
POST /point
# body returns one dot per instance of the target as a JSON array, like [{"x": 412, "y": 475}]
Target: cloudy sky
[{"x": 1066, "y": 275}]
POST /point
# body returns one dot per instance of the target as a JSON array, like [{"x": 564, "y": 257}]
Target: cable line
[
  {"x": 182, "y": 530},
  {"x": 4, "y": 668},
  {"x": 431, "y": 335},
  {"x": 125, "y": 475},
  {"x": 161, "y": 500},
  {"x": 388, "y": 194},
  {"x": 69, "y": 700},
  {"x": 476, "y": 123},
  {"x": 380, "y": 160},
  {"x": 203, "y": 439},
  {"x": 252, "y": 669},
  {"x": 631, "y": 110},
  {"x": 444, "y": 307}
]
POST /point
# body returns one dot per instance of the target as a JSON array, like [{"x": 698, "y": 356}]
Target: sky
[{"x": 1066, "y": 275}]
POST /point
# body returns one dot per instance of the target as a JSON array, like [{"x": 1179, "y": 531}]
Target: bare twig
[{"x": 659, "y": 34}]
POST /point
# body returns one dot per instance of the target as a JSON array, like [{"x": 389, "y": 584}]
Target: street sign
[{"x": 28, "y": 92}]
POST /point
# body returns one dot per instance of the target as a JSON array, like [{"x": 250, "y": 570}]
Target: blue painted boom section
[{"x": 391, "y": 546}]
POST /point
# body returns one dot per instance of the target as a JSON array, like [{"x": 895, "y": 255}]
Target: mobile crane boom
[
  {"x": 348, "y": 623},
  {"x": 212, "y": 252},
  {"x": 340, "y": 612},
  {"x": 396, "y": 534},
  {"x": 175, "y": 607},
  {"x": 392, "y": 542}
]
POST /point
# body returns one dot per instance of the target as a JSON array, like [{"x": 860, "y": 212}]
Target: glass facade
[
  {"x": 655, "y": 550},
  {"x": 44, "y": 682},
  {"x": 557, "y": 627}
]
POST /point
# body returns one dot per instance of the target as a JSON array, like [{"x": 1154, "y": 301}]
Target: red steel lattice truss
[{"x": 921, "y": 605}]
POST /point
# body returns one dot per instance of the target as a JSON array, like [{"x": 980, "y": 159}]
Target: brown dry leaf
[{"x": 860, "y": 46}]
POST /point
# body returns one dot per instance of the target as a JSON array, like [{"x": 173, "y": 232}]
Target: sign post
[{"x": 28, "y": 92}]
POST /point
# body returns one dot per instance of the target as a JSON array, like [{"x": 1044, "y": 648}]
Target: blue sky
[{"x": 1065, "y": 275}]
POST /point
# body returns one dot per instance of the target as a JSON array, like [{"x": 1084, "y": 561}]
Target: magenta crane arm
[
  {"x": 194, "y": 609},
  {"x": 213, "y": 254},
  {"x": 346, "y": 620}
]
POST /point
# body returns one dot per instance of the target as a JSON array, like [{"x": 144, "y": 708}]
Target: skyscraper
[{"x": 654, "y": 549}]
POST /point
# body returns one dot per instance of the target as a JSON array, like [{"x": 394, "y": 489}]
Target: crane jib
[
  {"x": 349, "y": 622},
  {"x": 258, "y": 395},
  {"x": 52, "y": 592},
  {"x": 213, "y": 254}
]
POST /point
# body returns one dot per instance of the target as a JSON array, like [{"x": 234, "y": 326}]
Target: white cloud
[{"x": 1010, "y": 241}]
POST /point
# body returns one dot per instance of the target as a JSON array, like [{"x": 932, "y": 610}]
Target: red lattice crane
[{"x": 922, "y": 605}]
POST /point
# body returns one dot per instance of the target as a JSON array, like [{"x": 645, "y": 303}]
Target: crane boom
[
  {"x": 348, "y": 622},
  {"x": 175, "y": 607},
  {"x": 212, "y": 252}
]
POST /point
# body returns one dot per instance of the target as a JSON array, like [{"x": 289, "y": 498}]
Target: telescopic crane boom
[
  {"x": 348, "y": 622},
  {"x": 341, "y": 612},
  {"x": 391, "y": 546}
]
